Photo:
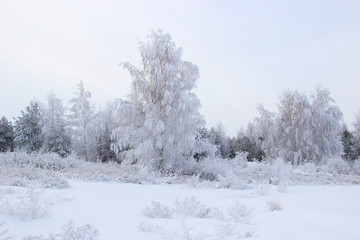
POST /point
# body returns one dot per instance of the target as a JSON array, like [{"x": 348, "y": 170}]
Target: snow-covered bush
[
  {"x": 148, "y": 227},
  {"x": 337, "y": 166},
  {"x": 70, "y": 232},
  {"x": 240, "y": 160},
  {"x": 30, "y": 206},
  {"x": 355, "y": 167},
  {"x": 231, "y": 181},
  {"x": 261, "y": 189},
  {"x": 240, "y": 213},
  {"x": 4, "y": 232},
  {"x": 191, "y": 207},
  {"x": 185, "y": 233},
  {"x": 281, "y": 187},
  {"x": 209, "y": 168},
  {"x": 274, "y": 205},
  {"x": 157, "y": 210},
  {"x": 280, "y": 171}
]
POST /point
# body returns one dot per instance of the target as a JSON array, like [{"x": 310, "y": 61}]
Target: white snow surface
[{"x": 116, "y": 211}]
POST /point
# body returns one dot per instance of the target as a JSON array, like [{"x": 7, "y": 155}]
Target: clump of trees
[{"x": 159, "y": 124}]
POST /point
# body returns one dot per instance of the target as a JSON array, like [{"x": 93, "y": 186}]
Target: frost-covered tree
[
  {"x": 56, "y": 138},
  {"x": 6, "y": 135},
  {"x": 301, "y": 131},
  {"x": 326, "y": 123},
  {"x": 80, "y": 117},
  {"x": 243, "y": 143},
  {"x": 220, "y": 140},
  {"x": 205, "y": 144},
  {"x": 159, "y": 122},
  {"x": 265, "y": 133},
  {"x": 28, "y": 129},
  {"x": 357, "y": 126},
  {"x": 100, "y": 129},
  {"x": 293, "y": 127}
]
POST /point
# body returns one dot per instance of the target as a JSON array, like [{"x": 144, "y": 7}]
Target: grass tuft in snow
[{"x": 274, "y": 205}]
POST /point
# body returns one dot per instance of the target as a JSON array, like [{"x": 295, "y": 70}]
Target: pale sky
[{"x": 248, "y": 52}]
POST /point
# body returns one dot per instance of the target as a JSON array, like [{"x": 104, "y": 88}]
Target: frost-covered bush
[
  {"x": 49, "y": 170},
  {"x": 148, "y": 227},
  {"x": 185, "y": 233},
  {"x": 355, "y": 167},
  {"x": 70, "y": 232},
  {"x": 157, "y": 210},
  {"x": 210, "y": 167},
  {"x": 30, "y": 206},
  {"x": 280, "y": 171},
  {"x": 4, "y": 233},
  {"x": 26, "y": 176},
  {"x": 240, "y": 160},
  {"x": 281, "y": 187},
  {"x": 261, "y": 189},
  {"x": 239, "y": 213},
  {"x": 337, "y": 166},
  {"x": 231, "y": 181},
  {"x": 191, "y": 207},
  {"x": 307, "y": 169},
  {"x": 225, "y": 228},
  {"x": 274, "y": 205}
]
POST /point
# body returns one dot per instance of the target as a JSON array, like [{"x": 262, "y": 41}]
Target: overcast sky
[{"x": 248, "y": 52}]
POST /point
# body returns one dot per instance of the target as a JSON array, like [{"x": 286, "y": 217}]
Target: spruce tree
[
  {"x": 6, "y": 135},
  {"x": 28, "y": 129}
]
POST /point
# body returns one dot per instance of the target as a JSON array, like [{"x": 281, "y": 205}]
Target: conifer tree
[
  {"x": 28, "y": 129},
  {"x": 6, "y": 135}
]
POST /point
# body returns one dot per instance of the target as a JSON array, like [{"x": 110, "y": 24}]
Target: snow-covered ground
[{"x": 117, "y": 211}]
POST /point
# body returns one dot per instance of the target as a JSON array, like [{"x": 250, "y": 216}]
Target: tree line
[{"x": 159, "y": 124}]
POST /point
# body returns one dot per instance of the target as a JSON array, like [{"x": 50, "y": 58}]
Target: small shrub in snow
[
  {"x": 224, "y": 229},
  {"x": 261, "y": 189},
  {"x": 33, "y": 206},
  {"x": 355, "y": 167},
  {"x": 274, "y": 205},
  {"x": 55, "y": 183},
  {"x": 337, "y": 166},
  {"x": 240, "y": 160},
  {"x": 3, "y": 233},
  {"x": 148, "y": 227},
  {"x": 279, "y": 170},
  {"x": 247, "y": 234},
  {"x": 190, "y": 207},
  {"x": 240, "y": 213},
  {"x": 231, "y": 181},
  {"x": 210, "y": 167},
  {"x": 184, "y": 234},
  {"x": 28, "y": 207},
  {"x": 70, "y": 232},
  {"x": 157, "y": 210},
  {"x": 281, "y": 187}
]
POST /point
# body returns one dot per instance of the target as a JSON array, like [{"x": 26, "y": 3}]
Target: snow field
[{"x": 116, "y": 210}]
